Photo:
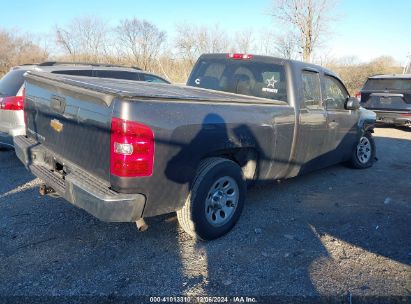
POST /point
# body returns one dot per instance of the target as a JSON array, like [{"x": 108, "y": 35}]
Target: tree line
[{"x": 137, "y": 42}]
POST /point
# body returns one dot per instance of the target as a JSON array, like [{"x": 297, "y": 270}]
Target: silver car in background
[
  {"x": 12, "y": 88},
  {"x": 11, "y": 106}
]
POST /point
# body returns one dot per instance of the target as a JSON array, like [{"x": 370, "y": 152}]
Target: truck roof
[
  {"x": 134, "y": 89},
  {"x": 276, "y": 60}
]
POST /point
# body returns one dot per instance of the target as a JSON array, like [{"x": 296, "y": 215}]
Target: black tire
[
  {"x": 357, "y": 161},
  {"x": 6, "y": 147},
  {"x": 403, "y": 127},
  {"x": 192, "y": 217}
]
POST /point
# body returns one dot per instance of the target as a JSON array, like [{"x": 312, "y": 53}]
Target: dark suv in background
[
  {"x": 12, "y": 88},
  {"x": 389, "y": 96}
]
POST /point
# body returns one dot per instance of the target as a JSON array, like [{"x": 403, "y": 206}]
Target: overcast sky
[{"x": 364, "y": 28}]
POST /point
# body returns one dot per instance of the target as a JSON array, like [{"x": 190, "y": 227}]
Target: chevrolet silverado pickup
[{"x": 124, "y": 151}]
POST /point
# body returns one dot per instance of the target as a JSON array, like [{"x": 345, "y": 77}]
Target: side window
[
  {"x": 11, "y": 83},
  {"x": 117, "y": 74},
  {"x": 335, "y": 94},
  {"x": 74, "y": 72},
  {"x": 311, "y": 89},
  {"x": 151, "y": 78}
]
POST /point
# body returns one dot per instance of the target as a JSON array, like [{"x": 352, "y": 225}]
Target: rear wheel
[
  {"x": 215, "y": 201},
  {"x": 363, "y": 155},
  {"x": 403, "y": 127},
  {"x": 6, "y": 143}
]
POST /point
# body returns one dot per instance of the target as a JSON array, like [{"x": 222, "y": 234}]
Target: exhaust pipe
[{"x": 45, "y": 190}]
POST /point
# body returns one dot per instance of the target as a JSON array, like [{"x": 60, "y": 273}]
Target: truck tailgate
[{"x": 72, "y": 122}]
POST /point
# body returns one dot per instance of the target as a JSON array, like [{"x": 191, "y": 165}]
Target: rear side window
[
  {"x": 311, "y": 89},
  {"x": 117, "y": 74},
  {"x": 151, "y": 78},
  {"x": 11, "y": 83},
  {"x": 75, "y": 72},
  {"x": 241, "y": 77},
  {"x": 388, "y": 84}
]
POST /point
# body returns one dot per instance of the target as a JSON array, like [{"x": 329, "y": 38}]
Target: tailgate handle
[{"x": 58, "y": 103}]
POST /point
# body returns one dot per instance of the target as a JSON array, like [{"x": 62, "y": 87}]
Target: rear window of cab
[{"x": 251, "y": 78}]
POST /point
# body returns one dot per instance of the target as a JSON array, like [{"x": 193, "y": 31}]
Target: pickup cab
[{"x": 124, "y": 151}]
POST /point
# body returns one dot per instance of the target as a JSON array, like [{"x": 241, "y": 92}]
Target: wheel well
[{"x": 246, "y": 158}]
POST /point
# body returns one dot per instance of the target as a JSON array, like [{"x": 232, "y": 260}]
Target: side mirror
[{"x": 352, "y": 103}]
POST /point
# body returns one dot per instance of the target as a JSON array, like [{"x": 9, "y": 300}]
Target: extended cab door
[
  {"x": 341, "y": 122},
  {"x": 313, "y": 123}
]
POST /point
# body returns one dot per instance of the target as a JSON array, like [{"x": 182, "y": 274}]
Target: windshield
[
  {"x": 388, "y": 84},
  {"x": 241, "y": 77},
  {"x": 11, "y": 83}
]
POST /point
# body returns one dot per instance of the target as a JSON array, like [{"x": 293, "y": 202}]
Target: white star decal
[{"x": 271, "y": 82}]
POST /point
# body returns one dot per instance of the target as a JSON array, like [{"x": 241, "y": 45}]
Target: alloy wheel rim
[
  {"x": 364, "y": 150},
  {"x": 221, "y": 201}
]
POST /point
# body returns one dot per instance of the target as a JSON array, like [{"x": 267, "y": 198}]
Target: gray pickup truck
[{"x": 124, "y": 151}]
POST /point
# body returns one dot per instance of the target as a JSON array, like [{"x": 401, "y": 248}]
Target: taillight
[
  {"x": 132, "y": 149},
  {"x": 358, "y": 96},
  {"x": 406, "y": 114},
  {"x": 239, "y": 56},
  {"x": 12, "y": 103}
]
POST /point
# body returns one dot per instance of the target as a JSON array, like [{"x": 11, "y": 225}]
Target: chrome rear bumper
[{"x": 79, "y": 187}]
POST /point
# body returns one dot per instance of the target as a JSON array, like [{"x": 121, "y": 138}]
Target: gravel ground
[{"x": 335, "y": 232}]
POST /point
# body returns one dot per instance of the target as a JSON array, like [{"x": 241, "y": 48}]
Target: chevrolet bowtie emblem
[{"x": 56, "y": 125}]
